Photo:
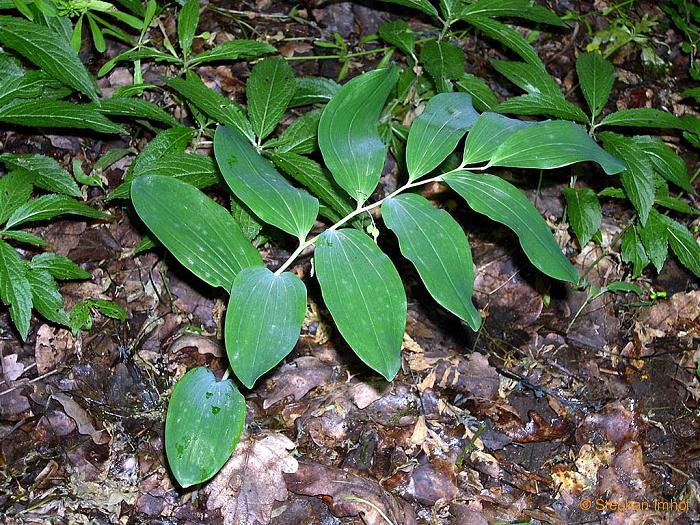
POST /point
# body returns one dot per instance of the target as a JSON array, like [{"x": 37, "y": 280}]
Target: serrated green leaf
[
  {"x": 365, "y": 296},
  {"x": 79, "y": 318},
  {"x": 399, "y": 34},
  {"x": 596, "y": 76},
  {"x": 553, "y": 144},
  {"x": 187, "y": 21},
  {"x": 200, "y": 234},
  {"x": 269, "y": 90},
  {"x": 50, "y": 206},
  {"x": 542, "y": 104},
  {"x": 483, "y": 97},
  {"x": 643, "y": 118},
  {"x": 654, "y": 237},
  {"x": 665, "y": 161},
  {"x": 318, "y": 181},
  {"x": 436, "y": 132},
  {"x": 245, "y": 219},
  {"x": 48, "y": 50},
  {"x": 443, "y": 61},
  {"x": 675, "y": 204},
  {"x": 632, "y": 252},
  {"x": 487, "y": 134},
  {"x": 58, "y": 266},
  {"x": 138, "y": 54},
  {"x": 422, "y": 5},
  {"x": 313, "y": 90},
  {"x": 234, "y": 50},
  {"x": 512, "y": 9},
  {"x": 506, "y": 36},
  {"x": 683, "y": 244},
  {"x": 108, "y": 308},
  {"x": 57, "y": 114},
  {"x": 256, "y": 182},
  {"x": 134, "y": 108},
  {"x": 583, "y": 210},
  {"x": 15, "y": 290},
  {"x": 300, "y": 137},
  {"x": 203, "y": 425},
  {"x": 504, "y": 203},
  {"x": 15, "y": 190},
  {"x": 45, "y": 173},
  {"x": 638, "y": 178},
  {"x": 263, "y": 321},
  {"x": 348, "y": 133},
  {"x": 46, "y": 297},
  {"x": 23, "y": 237},
  {"x": 436, "y": 245},
  {"x": 531, "y": 78}
]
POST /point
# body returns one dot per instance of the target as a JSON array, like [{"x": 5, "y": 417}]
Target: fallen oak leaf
[{"x": 246, "y": 488}]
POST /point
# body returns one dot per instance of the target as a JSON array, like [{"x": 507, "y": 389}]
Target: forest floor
[{"x": 526, "y": 421}]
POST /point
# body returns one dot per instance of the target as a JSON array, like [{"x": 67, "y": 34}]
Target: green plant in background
[
  {"x": 361, "y": 287},
  {"x": 685, "y": 16}
]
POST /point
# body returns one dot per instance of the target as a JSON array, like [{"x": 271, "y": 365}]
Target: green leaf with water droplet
[{"x": 203, "y": 425}]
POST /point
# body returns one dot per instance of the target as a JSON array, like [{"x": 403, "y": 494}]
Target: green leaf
[
  {"x": 138, "y": 54},
  {"x": 583, "y": 210},
  {"x": 504, "y": 203},
  {"x": 675, "y": 204},
  {"x": 135, "y": 108},
  {"x": 365, "y": 296},
  {"x": 638, "y": 178},
  {"x": 76, "y": 37},
  {"x": 24, "y": 238},
  {"x": 654, "y": 237},
  {"x": 318, "y": 181},
  {"x": 433, "y": 241},
  {"x": 348, "y": 133},
  {"x": 531, "y": 78},
  {"x": 97, "y": 37},
  {"x": 542, "y": 104},
  {"x": 15, "y": 290},
  {"x": 234, "y": 50},
  {"x": 263, "y": 321},
  {"x": 437, "y": 131},
  {"x": 486, "y": 135},
  {"x": 269, "y": 90},
  {"x": 399, "y": 34},
  {"x": 643, "y": 118},
  {"x": 596, "y": 76},
  {"x": 187, "y": 21},
  {"x": 211, "y": 103},
  {"x": 506, "y": 36},
  {"x": 484, "y": 99},
  {"x": 245, "y": 219},
  {"x": 203, "y": 425},
  {"x": 256, "y": 182},
  {"x": 443, "y": 61},
  {"x": 622, "y": 286},
  {"x": 300, "y": 137},
  {"x": 58, "y": 266},
  {"x": 15, "y": 190},
  {"x": 632, "y": 252},
  {"x": 552, "y": 144},
  {"x": 422, "y": 5},
  {"x": 200, "y": 234},
  {"x": 108, "y": 308},
  {"x": 45, "y": 172},
  {"x": 50, "y": 206},
  {"x": 665, "y": 161},
  {"x": 313, "y": 90},
  {"x": 44, "y": 113},
  {"x": 46, "y": 297},
  {"x": 79, "y": 318},
  {"x": 683, "y": 244},
  {"x": 512, "y": 9},
  {"x": 48, "y": 50}
]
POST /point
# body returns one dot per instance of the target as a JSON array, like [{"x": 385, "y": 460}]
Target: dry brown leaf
[
  {"x": 245, "y": 490},
  {"x": 296, "y": 379},
  {"x": 11, "y": 369},
  {"x": 81, "y": 418}
]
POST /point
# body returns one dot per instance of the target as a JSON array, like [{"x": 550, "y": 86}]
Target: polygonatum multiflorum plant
[{"x": 360, "y": 285}]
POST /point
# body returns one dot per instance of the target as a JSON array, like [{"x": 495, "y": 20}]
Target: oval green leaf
[
  {"x": 256, "y": 182},
  {"x": 200, "y": 234},
  {"x": 504, "y": 203},
  {"x": 437, "y": 131},
  {"x": 437, "y": 246},
  {"x": 488, "y": 132},
  {"x": 553, "y": 144},
  {"x": 364, "y": 294},
  {"x": 263, "y": 321},
  {"x": 348, "y": 133},
  {"x": 203, "y": 425}
]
